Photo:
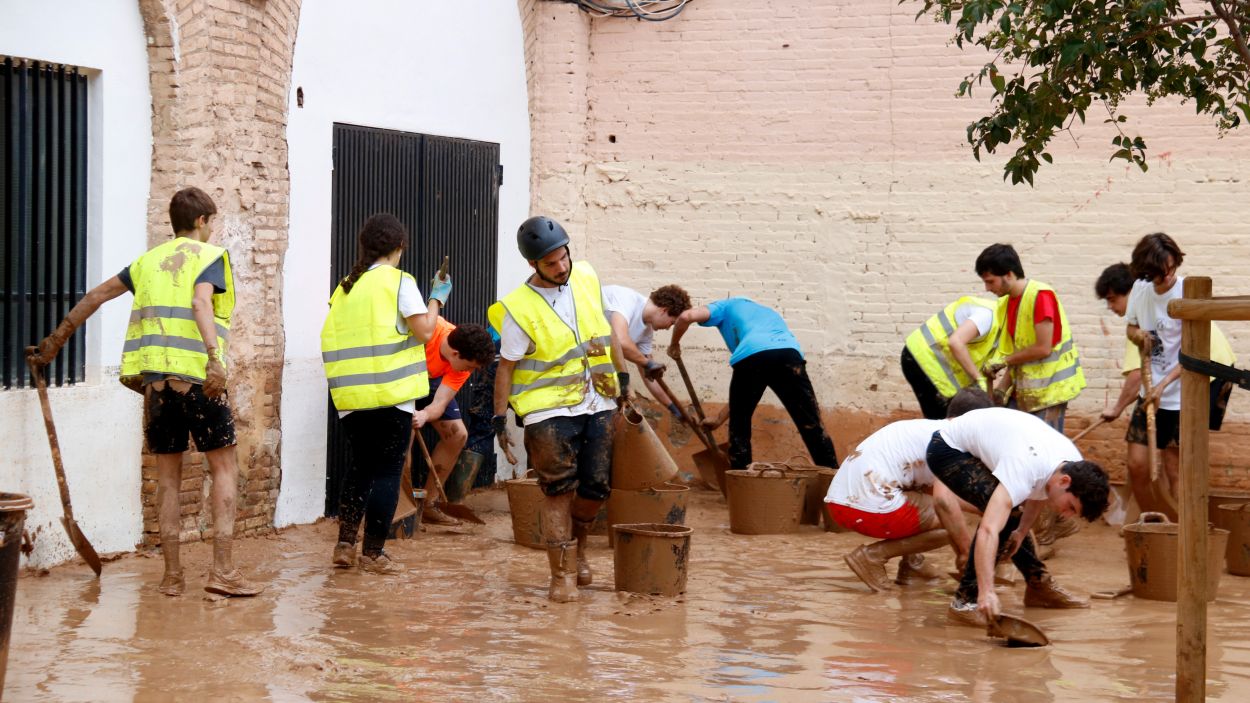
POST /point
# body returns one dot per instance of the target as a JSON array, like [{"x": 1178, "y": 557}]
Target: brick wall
[
  {"x": 812, "y": 156},
  {"x": 220, "y": 71}
]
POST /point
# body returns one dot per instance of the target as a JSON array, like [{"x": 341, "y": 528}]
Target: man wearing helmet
[{"x": 561, "y": 373}]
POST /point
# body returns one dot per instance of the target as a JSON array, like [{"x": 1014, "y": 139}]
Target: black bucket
[
  {"x": 460, "y": 481},
  {"x": 13, "y": 507}
]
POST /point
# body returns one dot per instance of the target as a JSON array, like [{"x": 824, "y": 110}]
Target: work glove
[
  {"x": 653, "y": 370},
  {"x": 622, "y": 379},
  {"x": 43, "y": 354},
  {"x": 675, "y": 409},
  {"x": 499, "y": 424},
  {"x": 440, "y": 288},
  {"x": 214, "y": 376}
]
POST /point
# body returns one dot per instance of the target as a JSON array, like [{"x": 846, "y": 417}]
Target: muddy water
[{"x": 765, "y": 618}]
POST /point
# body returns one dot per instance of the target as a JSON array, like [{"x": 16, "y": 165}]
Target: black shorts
[
  {"x": 169, "y": 417},
  {"x": 451, "y": 412},
  {"x": 1167, "y": 427},
  {"x": 572, "y": 453}
]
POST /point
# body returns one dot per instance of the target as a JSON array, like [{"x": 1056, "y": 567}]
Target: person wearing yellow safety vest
[
  {"x": 1045, "y": 367},
  {"x": 183, "y": 295},
  {"x": 947, "y": 352},
  {"x": 560, "y": 371},
  {"x": 373, "y": 349}
]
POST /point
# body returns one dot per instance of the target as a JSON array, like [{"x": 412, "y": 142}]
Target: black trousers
[
  {"x": 785, "y": 372},
  {"x": 969, "y": 479},
  {"x": 932, "y": 403},
  {"x": 379, "y": 438}
]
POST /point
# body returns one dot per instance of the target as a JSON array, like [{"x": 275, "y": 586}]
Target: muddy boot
[
  {"x": 913, "y": 568},
  {"x": 1004, "y": 574},
  {"x": 380, "y": 564},
  {"x": 562, "y": 559},
  {"x": 584, "y": 511},
  {"x": 173, "y": 584},
  {"x": 962, "y": 613},
  {"x": 231, "y": 584},
  {"x": 433, "y": 516},
  {"x": 868, "y": 563},
  {"x": 1045, "y": 593},
  {"x": 344, "y": 555}
]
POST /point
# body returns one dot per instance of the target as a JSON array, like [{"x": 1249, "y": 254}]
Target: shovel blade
[
  {"x": 82, "y": 545},
  {"x": 1017, "y": 631},
  {"x": 463, "y": 512}
]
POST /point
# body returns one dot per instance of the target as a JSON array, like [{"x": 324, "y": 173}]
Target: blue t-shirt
[{"x": 749, "y": 328}]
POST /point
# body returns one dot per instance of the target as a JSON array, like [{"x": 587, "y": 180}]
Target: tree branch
[
  {"x": 1234, "y": 28},
  {"x": 1195, "y": 19}
]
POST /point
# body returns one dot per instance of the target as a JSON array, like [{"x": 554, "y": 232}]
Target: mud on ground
[{"x": 765, "y": 618}]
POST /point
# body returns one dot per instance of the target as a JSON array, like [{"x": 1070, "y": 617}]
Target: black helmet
[{"x": 539, "y": 236}]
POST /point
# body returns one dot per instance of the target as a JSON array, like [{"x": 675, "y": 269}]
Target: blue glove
[{"x": 440, "y": 288}]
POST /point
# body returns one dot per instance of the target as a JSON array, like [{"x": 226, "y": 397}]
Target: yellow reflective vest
[
  {"x": 930, "y": 345},
  {"x": 554, "y": 373},
  {"x": 368, "y": 362},
  {"x": 162, "y": 336},
  {"x": 1054, "y": 379}
]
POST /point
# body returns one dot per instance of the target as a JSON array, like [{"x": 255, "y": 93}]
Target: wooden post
[{"x": 1191, "y": 602}]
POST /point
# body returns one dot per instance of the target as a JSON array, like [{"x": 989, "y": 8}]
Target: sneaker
[
  {"x": 962, "y": 613},
  {"x": 381, "y": 564},
  {"x": 1045, "y": 593},
  {"x": 344, "y": 555},
  {"x": 434, "y": 516},
  {"x": 173, "y": 584},
  {"x": 231, "y": 584}
]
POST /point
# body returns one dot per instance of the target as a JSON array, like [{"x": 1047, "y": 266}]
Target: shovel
[
  {"x": 1112, "y": 595},
  {"x": 407, "y": 493},
  {"x": 711, "y": 462},
  {"x": 1017, "y": 631},
  {"x": 455, "y": 510},
  {"x": 1158, "y": 484},
  {"x": 79, "y": 540},
  {"x": 1099, "y": 423}
]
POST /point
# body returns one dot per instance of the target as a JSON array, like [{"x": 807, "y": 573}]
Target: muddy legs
[{"x": 561, "y": 548}]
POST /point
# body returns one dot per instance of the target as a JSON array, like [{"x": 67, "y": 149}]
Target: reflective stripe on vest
[
  {"x": 162, "y": 336},
  {"x": 1057, "y": 377},
  {"x": 561, "y": 367},
  {"x": 368, "y": 362},
  {"x": 930, "y": 345}
]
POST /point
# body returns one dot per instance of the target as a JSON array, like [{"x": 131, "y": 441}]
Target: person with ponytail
[{"x": 372, "y": 345}]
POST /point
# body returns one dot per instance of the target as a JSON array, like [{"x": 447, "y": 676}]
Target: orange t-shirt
[{"x": 435, "y": 364}]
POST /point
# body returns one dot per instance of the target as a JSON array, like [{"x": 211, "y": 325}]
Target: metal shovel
[
  {"x": 79, "y": 540},
  {"x": 1017, "y": 631}
]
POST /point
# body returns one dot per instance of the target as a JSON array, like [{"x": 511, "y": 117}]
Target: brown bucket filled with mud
[
  {"x": 818, "y": 479},
  {"x": 13, "y": 508},
  {"x": 665, "y": 505},
  {"x": 1153, "y": 544},
  {"x": 1222, "y": 496},
  {"x": 652, "y": 558},
  {"x": 525, "y": 501},
  {"x": 639, "y": 460},
  {"x": 712, "y": 466},
  {"x": 765, "y": 500},
  {"x": 1235, "y": 517}
]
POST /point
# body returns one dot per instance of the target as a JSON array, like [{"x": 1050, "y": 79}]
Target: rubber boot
[
  {"x": 584, "y": 512},
  {"x": 1045, "y": 593},
  {"x": 561, "y": 549}
]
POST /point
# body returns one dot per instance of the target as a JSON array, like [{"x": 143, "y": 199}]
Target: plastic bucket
[
  {"x": 1216, "y": 498},
  {"x": 765, "y": 501},
  {"x": 818, "y": 479},
  {"x": 652, "y": 558},
  {"x": 460, "y": 481},
  {"x": 664, "y": 505},
  {"x": 1152, "y": 545},
  {"x": 525, "y": 501},
  {"x": 1235, "y": 517},
  {"x": 639, "y": 460},
  {"x": 13, "y": 507}
]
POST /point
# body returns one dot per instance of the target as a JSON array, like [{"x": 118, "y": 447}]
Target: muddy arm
[{"x": 958, "y": 342}]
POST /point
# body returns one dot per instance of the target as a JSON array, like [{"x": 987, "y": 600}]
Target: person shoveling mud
[
  {"x": 999, "y": 459},
  {"x": 561, "y": 372},
  {"x": 175, "y": 356},
  {"x": 884, "y": 489}
]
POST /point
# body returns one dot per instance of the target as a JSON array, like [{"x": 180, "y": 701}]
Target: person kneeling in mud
[
  {"x": 999, "y": 459},
  {"x": 884, "y": 489}
]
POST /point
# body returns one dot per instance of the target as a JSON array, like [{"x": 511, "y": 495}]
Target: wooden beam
[
  {"x": 1191, "y": 601},
  {"x": 1234, "y": 308}
]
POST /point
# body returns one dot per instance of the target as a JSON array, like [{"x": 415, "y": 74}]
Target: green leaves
[{"x": 1053, "y": 59}]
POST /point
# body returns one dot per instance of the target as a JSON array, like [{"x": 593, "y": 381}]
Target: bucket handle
[
  {"x": 1153, "y": 517},
  {"x": 763, "y": 472}
]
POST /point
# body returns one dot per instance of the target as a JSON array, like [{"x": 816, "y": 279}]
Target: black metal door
[{"x": 446, "y": 192}]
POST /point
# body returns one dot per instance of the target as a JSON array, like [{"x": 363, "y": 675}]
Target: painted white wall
[
  {"x": 453, "y": 69},
  {"x": 99, "y": 421}
]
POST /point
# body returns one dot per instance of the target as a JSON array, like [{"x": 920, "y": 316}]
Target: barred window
[{"x": 43, "y": 213}]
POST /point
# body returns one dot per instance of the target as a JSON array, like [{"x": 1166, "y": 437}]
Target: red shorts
[{"x": 903, "y": 522}]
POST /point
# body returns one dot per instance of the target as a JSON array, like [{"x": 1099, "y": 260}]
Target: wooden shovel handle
[
  {"x": 42, "y": 387},
  {"x": 694, "y": 397},
  {"x": 681, "y": 415},
  {"x": 438, "y": 482},
  {"x": 1098, "y": 423}
]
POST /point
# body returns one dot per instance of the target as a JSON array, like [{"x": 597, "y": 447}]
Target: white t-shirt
[
  {"x": 515, "y": 343},
  {"x": 1149, "y": 311},
  {"x": 983, "y": 317},
  {"x": 630, "y": 304},
  {"x": 1020, "y": 449},
  {"x": 890, "y": 461},
  {"x": 410, "y": 303}
]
